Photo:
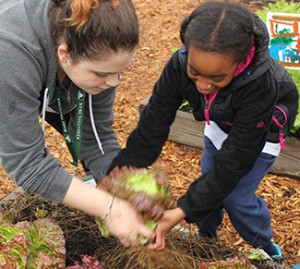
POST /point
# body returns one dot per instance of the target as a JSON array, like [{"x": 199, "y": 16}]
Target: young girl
[
  {"x": 66, "y": 56},
  {"x": 249, "y": 103}
]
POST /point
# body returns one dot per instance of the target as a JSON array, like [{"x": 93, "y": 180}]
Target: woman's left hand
[{"x": 165, "y": 224}]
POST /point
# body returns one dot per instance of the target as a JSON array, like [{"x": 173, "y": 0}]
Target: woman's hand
[
  {"x": 124, "y": 222},
  {"x": 166, "y": 223}
]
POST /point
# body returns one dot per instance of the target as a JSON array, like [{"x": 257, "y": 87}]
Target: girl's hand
[
  {"x": 124, "y": 222},
  {"x": 166, "y": 223}
]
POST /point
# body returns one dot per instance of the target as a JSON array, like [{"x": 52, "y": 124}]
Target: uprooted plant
[{"x": 147, "y": 191}]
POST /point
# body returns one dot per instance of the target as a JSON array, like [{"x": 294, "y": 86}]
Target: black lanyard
[{"x": 74, "y": 147}]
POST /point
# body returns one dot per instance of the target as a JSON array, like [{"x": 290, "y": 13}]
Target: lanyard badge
[{"x": 75, "y": 143}]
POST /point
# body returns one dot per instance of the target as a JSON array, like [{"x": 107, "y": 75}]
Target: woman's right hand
[{"x": 124, "y": 222}]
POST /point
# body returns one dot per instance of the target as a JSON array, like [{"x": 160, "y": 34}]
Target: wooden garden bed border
[{"x": 189, "y": 132}]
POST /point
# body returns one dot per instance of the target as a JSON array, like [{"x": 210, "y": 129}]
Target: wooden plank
[
  {"x": 288, "y": 162},
  {"x": 185, "y": 129},
  {"x": 189, "y": 132}
]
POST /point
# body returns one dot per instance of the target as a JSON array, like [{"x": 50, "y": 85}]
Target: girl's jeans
[{"x": 247, "y": 212}]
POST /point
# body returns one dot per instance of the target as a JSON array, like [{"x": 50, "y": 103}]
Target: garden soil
[{"x": 159, "y": 28}]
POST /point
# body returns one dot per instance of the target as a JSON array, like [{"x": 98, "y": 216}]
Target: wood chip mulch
[
  {"x": 82, "y": 236},
  {"x": 159, "y": 27}
]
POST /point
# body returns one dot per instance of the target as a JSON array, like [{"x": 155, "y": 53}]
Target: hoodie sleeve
[
  {"x": 22, "y": 144},
  {"x": 145, "y": 142}
]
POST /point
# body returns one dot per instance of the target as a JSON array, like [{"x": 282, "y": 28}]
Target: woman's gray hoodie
[{"x": 28, "y": 65}]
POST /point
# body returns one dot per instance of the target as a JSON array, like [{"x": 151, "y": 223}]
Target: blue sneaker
[{"x": 278, "y": 258}]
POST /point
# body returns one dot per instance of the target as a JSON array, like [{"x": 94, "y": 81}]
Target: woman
[
  {"x": 65, "y": 57},
  {"x": 249, "y": 103}
]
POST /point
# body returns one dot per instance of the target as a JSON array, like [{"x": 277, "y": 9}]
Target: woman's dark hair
[
  {"x": 222, "y": 27},
  {"x": 92, "y": 28}
]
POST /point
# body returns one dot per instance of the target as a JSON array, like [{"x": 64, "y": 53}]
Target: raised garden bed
[
  {"x": 81, "y": 234},
  {"x": 187, "y": 131}
]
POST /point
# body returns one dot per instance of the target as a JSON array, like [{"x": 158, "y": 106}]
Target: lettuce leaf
[
  {"x": 147, "y": 191},
  {"x": 38, "y": 244}
]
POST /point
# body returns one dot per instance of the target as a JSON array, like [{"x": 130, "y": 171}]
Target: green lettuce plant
[
  {"x": 31, "y": 245},
  {"x": 147, "y": 191},
  {"x": 13, "y": 247}
]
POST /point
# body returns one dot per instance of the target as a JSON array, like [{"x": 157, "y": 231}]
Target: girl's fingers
[{"x": 159, "y": 243}]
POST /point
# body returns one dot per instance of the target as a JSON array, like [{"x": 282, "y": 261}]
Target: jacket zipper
[
  {"x": 209, "y": 98},
  {"x": 280, "y": 126}
]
